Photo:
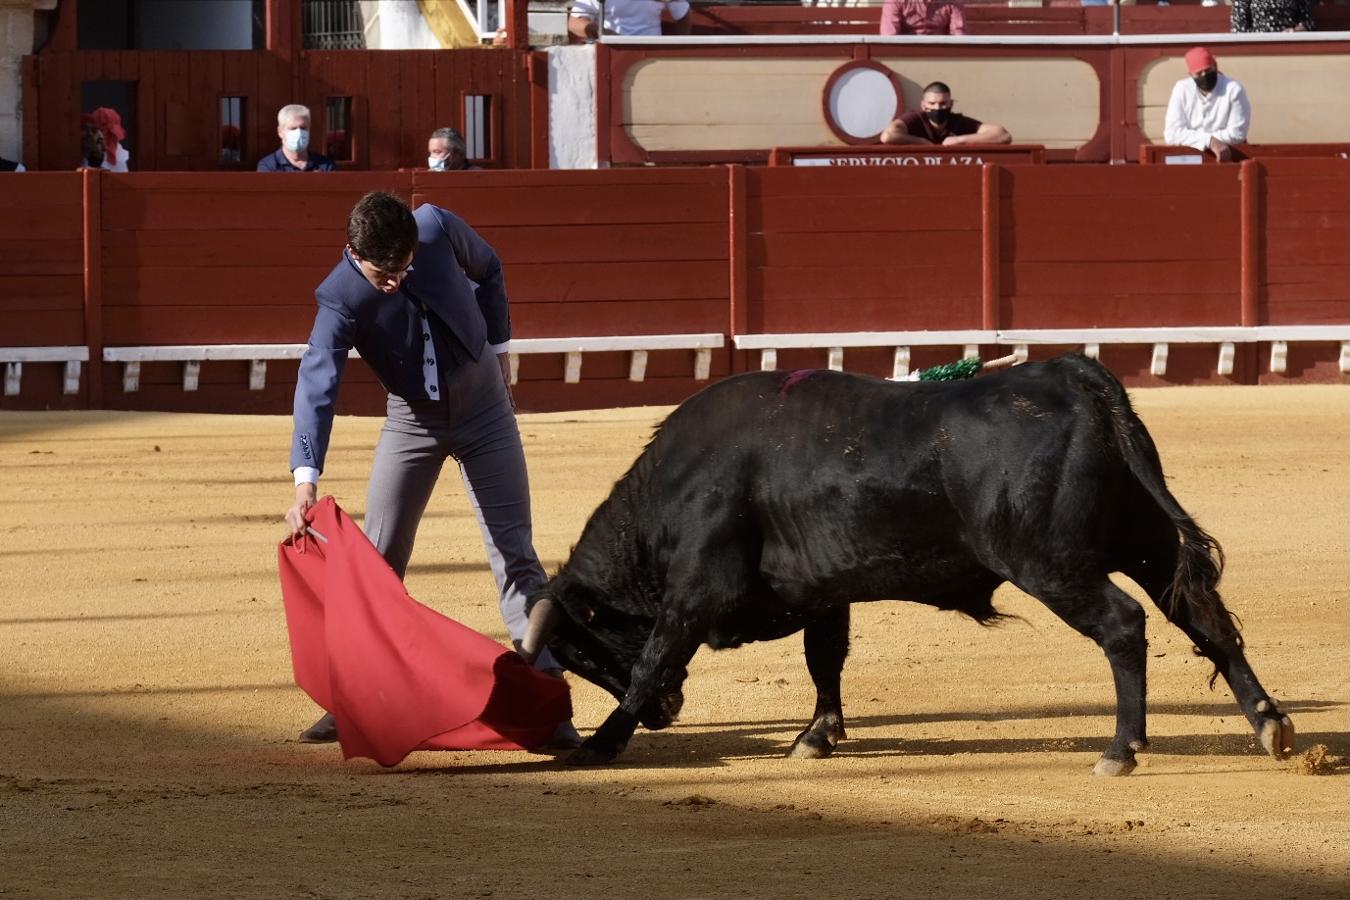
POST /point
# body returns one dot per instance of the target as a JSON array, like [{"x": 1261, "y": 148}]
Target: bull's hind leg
[
  {"x": 1218, "y": 640},
  {"x": 826, "y": 641},
  {"x": 1113, "y": 619}
]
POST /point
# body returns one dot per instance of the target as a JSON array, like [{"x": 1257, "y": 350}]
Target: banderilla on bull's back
[{"x": 955, "y": 371}]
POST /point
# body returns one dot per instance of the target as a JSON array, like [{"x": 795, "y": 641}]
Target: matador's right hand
[{"x": 297, "y": 516}]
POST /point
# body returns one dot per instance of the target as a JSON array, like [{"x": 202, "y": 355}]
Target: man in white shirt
[
  {"x": 630, "y": 18},
  {"x": 1207, "y": 111}
]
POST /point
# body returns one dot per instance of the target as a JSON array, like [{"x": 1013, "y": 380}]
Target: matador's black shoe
[{"x": 323, "y": 731}]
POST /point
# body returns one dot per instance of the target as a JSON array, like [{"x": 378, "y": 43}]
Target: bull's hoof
[
  {"x": 589, "y": 754},
  {"x": 662, "y": 711},
  {"x": 811, "y": 745},
  {"x": 1112, "y": 767},
  {"x": 1275, "y": 730}
]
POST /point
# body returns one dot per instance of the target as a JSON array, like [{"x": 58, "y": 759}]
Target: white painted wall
[
  {"x": 396, "y": 25},
  {"x": 571, "y": 108},
  {"x": 16, "y": 42}
]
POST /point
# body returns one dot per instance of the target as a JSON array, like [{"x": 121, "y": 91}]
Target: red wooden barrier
[
  {"x": 41, "y": 278},
  {"x": 874, "y": 250},
  {"x": 1304, "y": 258},
  {"x": 221, "y": 259},
  {"x": 641, "y": 251},
  {"x": 843, "y": 249},
  {"x": 1120, "y": 246}
]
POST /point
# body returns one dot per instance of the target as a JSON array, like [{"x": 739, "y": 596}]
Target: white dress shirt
[
  {"x": 1193, "y": 118},
  {"x": 631, "y": 18},
  {"x": 119, "y": 164}
]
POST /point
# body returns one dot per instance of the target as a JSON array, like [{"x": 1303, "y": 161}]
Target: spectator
[
  {"x": 9, "y": 165},
  {"x": 1271, "y": 15},
  {"x": 93, "y": 152},
  {"x": 923, "y": 17},
  {"x": 630, "y": 18},
  {"x": 1207, "y": 111},
  {"x": 109, "y": 123},
  {"x": 294, "y": 155},
  {"x": 446, "y": 151},
  {"x": 935, "y": 123}
]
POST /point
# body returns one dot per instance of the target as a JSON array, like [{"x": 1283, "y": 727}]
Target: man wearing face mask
[
  {"x": 294, "y": 155},
  {"x": 934, "y": 122},
  {"x": 446, "y": 151},
  {"x": 1208, "y": 110},
  {"x": 92, "y": 149},
  {"x": 422, "y": 298}
]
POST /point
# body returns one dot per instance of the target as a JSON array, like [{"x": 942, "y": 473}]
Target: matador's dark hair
[{"x": 381, "y": 229}]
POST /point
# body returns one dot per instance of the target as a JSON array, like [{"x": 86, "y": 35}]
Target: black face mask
[
  {"x": 1205, "y": 81},
  {"x": 938, "y": 116}
]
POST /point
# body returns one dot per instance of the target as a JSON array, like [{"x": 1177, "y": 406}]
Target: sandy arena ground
[{"x": 148, "y": 717}]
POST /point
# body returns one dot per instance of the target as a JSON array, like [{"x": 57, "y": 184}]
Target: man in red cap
[
  {"x": 1207, "y": 111},
  {"x": 109, "y": 123}
]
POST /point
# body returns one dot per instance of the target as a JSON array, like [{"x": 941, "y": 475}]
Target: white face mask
[
  {"x": 296, "y": 140},
  {"x": 436, "y": 163}
]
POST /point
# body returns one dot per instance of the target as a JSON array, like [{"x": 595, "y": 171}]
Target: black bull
[{"x": 769, "y": 502}]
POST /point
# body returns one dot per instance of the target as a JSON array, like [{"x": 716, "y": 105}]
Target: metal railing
[{"x": 333, "y": 25}]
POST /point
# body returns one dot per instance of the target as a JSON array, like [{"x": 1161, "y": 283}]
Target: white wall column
[
  {"x": 16, "y": 42},
  {"x": 571, "y": 108}
]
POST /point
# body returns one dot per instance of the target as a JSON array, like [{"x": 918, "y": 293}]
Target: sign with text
[{"x": 910, "y": 155}]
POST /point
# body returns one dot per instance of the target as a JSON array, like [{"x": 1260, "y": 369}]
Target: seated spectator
[
  {"x": 924, "y": 17},
  {"x": 93, "y": 152},
  {"x": 935, "y": 123},
  {"x": 109, "y": 123},
  {"x": 630, "y": 18},
  {"x": 294, "y": 155},
  {"x": 446, "y": 151},
  {"x": 9, "y": 165},
  {"x": 1271, "y": 15},
  {"x": 1209, "y": 110}
]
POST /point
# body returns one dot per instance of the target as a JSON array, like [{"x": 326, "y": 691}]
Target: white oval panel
[{"x": 863, "y": 102}]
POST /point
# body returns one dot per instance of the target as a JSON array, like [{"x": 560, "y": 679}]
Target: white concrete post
[
  {"x": 16, "y": 42},
  {"x": 571, "y": 108}
]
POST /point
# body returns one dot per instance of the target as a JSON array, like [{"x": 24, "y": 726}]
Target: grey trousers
[{"x": 474, "y": 425}]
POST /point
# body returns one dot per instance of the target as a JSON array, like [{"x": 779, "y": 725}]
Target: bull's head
[{"x": 599, "y": 642}]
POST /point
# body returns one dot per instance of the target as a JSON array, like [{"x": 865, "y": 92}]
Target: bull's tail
[{"x": 1200, "y": 559}]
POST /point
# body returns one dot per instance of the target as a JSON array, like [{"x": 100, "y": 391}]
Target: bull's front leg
[
  {"x": 668, "y": 650},
  {"x": 826, "y": 643}
]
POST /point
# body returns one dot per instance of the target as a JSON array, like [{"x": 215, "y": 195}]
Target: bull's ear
[{"x": 543, "y": 619}]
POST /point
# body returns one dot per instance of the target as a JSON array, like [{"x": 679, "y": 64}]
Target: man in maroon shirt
[
  {"x": 935, "y": 123},
  {"x": 923, "y": 17}
]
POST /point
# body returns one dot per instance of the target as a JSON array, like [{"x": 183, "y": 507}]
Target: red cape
[{"x": 397, "y": 675}]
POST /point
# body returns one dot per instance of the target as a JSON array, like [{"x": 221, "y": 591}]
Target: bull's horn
[{"x": 543, "y": 619}]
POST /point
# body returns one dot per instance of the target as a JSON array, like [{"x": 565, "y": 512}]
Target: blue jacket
[
  {"x": 386, "y": 328},
  {"x": 277, "y": 162}
]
